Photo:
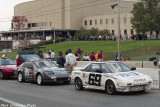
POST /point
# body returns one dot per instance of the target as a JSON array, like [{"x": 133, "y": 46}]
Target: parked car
[
  {"x": 7, "y": 68},
  {"x": 42, "y": 71},
  {"x": 110, "y": 76}
]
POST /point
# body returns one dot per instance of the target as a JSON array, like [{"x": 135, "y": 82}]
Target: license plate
[{"x": 137, "y": 88}]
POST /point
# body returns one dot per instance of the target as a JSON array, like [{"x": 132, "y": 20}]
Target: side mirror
[
  {"x": 98, "y": 71},
  {"x": 133, "y": 68}
]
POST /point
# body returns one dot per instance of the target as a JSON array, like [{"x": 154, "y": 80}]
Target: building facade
[{"x": 73, "y": 14}]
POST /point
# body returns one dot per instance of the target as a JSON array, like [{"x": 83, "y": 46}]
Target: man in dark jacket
[{"x": 61, "y": 60}]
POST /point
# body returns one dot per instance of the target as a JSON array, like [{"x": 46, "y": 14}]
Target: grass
[{"x": 95, "y": 46}]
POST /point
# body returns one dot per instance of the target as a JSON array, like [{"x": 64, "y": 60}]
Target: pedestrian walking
[{"x": 100, "y": 56}]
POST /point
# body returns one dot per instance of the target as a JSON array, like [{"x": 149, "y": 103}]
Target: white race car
[{"x": 110, "y": 76}]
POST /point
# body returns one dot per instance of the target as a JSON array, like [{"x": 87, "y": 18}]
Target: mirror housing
[{"x": 133, "y": 68}]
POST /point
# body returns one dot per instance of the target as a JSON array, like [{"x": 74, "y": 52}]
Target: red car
[{"x": 7, "y": 68}]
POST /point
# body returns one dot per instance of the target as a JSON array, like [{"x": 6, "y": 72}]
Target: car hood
[
  {"x": 8, "y": 67},
  {"x": 131, "y": 77},
  {"x": 56, "y": 70}
]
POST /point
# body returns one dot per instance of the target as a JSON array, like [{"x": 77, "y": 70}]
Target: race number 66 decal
[{"x": 95, "y": 79}]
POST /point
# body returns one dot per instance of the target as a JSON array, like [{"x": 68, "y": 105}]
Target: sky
[{"x": 6, "y": 13}]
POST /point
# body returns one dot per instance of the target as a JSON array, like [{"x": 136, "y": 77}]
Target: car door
[
  {"x": 94, "y": 75},
  {"x": 28, "y": 70}
]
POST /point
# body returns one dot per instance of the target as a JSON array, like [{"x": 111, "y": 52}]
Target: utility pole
[
  {"x": 119, "y": 30},
  {"x": 119, "y": 22}
]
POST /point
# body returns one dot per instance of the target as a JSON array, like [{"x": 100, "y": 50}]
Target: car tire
[
  {"x": 21, "y": 77},
  {"x": 39, "y": 79},
  {"x": 110, "y": 88},
  {"x": 79, "y": 84},
  {"x": 1, "y": 75}
]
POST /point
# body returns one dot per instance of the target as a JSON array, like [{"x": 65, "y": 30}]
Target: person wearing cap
[
  {"x": 52, "y": 55},
  {"x": 61, "y": 60},
  {"x": 70, "y": 61}
]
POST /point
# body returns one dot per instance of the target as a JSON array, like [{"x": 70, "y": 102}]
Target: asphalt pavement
[{"x": 60, "y": 95}]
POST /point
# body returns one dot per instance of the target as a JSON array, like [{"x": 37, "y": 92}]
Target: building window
[
  {"x": 132, "y": 31},
  {"x": 95, "y": 22},
  {"x": 112, "y": 20},
  {"x": 33, "y": 24},
  {"x": 112, "y": 32},
  {"x": 101, "y": 21},
  {"x": 151, "y": 32},
  {"x": 50, "y": 23},
  {"x": 125, "y": 31},
  {"x": 125, "y": 19},
  {"x": 29, "y": 25},
  {"x": 90, "y": 22},
  {"x": 85, "y": 22},
  {"x": 44, "y": 23},
  {"x": 106, "y": 21}
]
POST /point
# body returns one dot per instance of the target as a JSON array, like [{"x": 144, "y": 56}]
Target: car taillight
[
  {"x": 129, "y": 84},
  {"x": 149, "y": 82}
]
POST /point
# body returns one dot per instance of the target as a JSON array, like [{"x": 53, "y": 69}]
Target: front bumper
[
  {"x": 58, "y": 79},
  {"x": 8, "y": 74},
  {"x": 133, "y": 88}
]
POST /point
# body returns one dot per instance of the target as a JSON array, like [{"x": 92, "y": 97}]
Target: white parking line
[{"x": 11, "y": 103}]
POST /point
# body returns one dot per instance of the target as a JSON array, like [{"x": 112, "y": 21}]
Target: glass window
[
  {"x": 119, "y": 67},
  {"x": 95, "y": 22},
  {"x": 95, "y": 67},
  {"x": 7, "y": 62},
  {"x": 125, "y": 31},
  {"x": 90, "y": 22},
  {"x": 106, "y": 21},
  {"x": 125, "y": 19},
  {"x": 50, "y": 23},
  {"x": 85, "y": 22},
  {"x": 101, "y": 21},
  {"x": 112, "y": 20},
  {"x": 43, "y": 64},
  {"x": 132, "y": 31}
]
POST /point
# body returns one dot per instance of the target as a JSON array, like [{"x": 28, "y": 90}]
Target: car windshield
[
  {"x": 119, "y": 67},
  {"x": 43, "y": 64},
  {"x": 30, "y": 57},
  {"x": 7, "y": 62}
]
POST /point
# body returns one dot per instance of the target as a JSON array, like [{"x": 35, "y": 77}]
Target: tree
[
  {"x": 105, "y": 32},
  {"x": 146, "y": 16}
]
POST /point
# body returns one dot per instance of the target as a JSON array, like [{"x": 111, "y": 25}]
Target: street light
[{"x": 113, "y": 6}]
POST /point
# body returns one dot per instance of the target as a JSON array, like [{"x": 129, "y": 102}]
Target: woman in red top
[
  {"x": 100, "y": 56},
  {"x": 92, "y": 56}
]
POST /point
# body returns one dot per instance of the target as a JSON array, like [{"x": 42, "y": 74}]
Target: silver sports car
[{"x": 42, "y": 71}]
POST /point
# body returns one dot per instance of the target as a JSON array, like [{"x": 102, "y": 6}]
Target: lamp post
[{"x": 113, "y": 6}]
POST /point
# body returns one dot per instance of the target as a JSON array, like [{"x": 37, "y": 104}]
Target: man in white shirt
[{"x": 70, "y": 61}]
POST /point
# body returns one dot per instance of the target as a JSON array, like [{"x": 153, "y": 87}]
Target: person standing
[
  {"x": 40, "y": 54},
  {"x": 61, "y": 60},
  {"x": 52, "y": 55},
  {"x": 100, "y": 56},
  {"x": 70, "y": 61},
  {"x": 92, "y": 56},
  {"x": 96, "y": 57}
]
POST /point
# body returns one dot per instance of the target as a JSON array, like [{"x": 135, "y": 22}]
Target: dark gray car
[{"x": 42, "y": 71}]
